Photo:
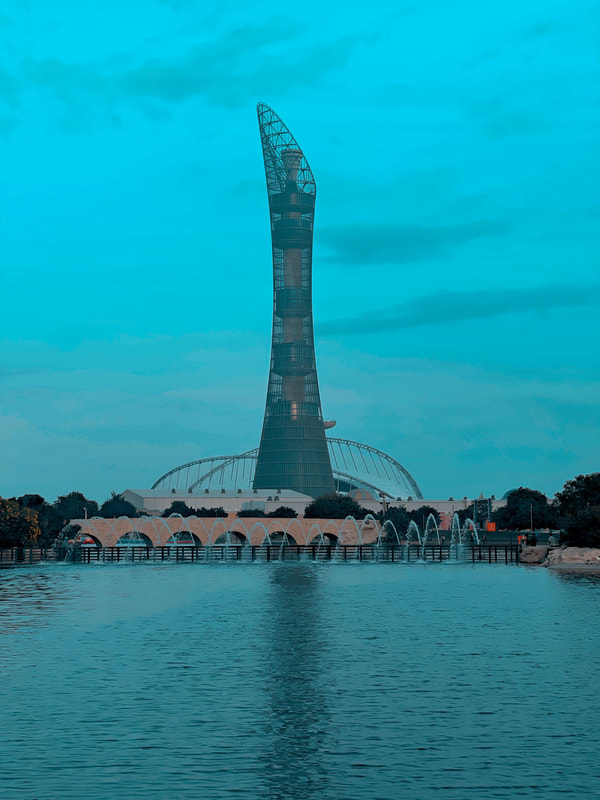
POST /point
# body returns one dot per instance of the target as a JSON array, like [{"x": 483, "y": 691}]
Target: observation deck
[{"x": 292, "y": 202}]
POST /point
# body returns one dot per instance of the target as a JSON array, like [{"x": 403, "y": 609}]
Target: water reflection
[
  {"x": 27, "y": 596},
  {"x": 295, "y": 727},
  {"x": 585, "y": 579},
  {"x": 461, "y": 682}
]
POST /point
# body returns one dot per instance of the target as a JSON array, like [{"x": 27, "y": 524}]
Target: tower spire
[{"x": 293, "y": 450}]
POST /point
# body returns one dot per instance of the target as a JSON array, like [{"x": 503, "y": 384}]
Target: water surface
[{"x": 453, "y": 681}]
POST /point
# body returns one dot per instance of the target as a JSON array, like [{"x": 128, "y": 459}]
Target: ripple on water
[{"x": 298, "y": 681}]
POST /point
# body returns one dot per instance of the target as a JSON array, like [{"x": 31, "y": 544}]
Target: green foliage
[
  {"x": 116, "y": 506},
  {"x": 521, "y": 505},
  {"x": 75, "y": 506},
  {"x": 179, "y": 507},
  {"x": 477, "y": 511},
  {"x": 251, "y": 512},
  {"x": 51, "y": 523},
  {"x": 579, "y": 494},
  {"x": 399, "y": 517},
  {"x": 578, "y": 510},
  {"x": 52, "y": 517},
  {"x": 334, "y": 506},
  {"x": 419, "y": 515},
  {"x": 210, "y": 512},
  {"x": 35, "y": 501},
  {"x": 283, "y": 512},
  {"x": 19, "y": 527},
  {"x": 68, "y": 533}
]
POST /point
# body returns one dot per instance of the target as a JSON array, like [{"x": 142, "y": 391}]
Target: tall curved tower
[{"x": 293, "y": 450}]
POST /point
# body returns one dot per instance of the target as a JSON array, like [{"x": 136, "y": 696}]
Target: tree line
[
  {"x": 575, "y": 511},
  {"x": 30, "y": 520},
  {"x": 182, "y": 508}
]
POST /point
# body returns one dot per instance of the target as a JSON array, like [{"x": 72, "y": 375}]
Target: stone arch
[
  {"x": 184, "y": 538},
  {"x": 258, "y": 534},
  {"x": 324, "y": 537},
  {"x": 294, "y": 523},
  {"x": 134, "y": 538},
  {"x": 86, "y": 539},
  {"x": 231, "y": 537},
  {"x": 279, "y": 537}
]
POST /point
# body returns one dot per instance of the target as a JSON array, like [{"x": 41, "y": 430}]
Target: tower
[{"x": 293, "y": 450}]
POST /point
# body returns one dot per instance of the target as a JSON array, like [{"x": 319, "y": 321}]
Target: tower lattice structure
[{"x": 293, "y": 450}]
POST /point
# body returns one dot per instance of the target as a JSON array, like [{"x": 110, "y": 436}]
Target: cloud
[
  {"x": 228, "y": 70},
  {"x": 206, "y": 65},
  {"x": 241, "y": 62},
  {"x": 400, "y": 244},
  {"x": 447, "y": 307}
]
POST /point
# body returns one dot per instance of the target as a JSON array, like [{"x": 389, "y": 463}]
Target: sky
[{"x": 455, "y": 266}]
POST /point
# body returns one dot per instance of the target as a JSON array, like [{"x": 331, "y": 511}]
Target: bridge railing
[{"x": 315, "y": 552}]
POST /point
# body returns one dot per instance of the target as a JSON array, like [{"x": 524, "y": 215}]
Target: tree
[
  {"x": 50, "y": 521},
  {"x": 283, "y": 512},
  {"x": 251, "y": 512},
  {"x": 578, "y": 510},
  {"x": 67, "y": 534},
  {"x": 35, "y": 501},
  {"x": 334, "y": 506},
  {"x": 19, "y": 527},
  {"x": 75, "y": 506},
  {"x": 179, "y": 507},
  {"x": 116, "y": 506},
  {"x": 521, "y": 506},
  {"x": 477, "y": 511},
  {"x": 219, "y": 511},
  {"x": 420, "y": 514},
  {"x": 400, "y": 519}
]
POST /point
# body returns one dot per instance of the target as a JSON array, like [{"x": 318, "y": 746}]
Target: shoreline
[{"x": 562, "y": 559}]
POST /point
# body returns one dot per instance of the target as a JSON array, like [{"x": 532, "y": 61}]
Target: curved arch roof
[{"x": 355, "y": 466}]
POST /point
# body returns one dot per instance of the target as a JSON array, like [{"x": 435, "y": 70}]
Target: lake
[{"x": 299, "y": 680}]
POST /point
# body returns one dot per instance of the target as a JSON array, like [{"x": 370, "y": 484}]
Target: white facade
[{"x": 155, "y": 501}]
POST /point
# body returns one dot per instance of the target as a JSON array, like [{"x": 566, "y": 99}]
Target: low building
[{"x": 156, "y": 501}]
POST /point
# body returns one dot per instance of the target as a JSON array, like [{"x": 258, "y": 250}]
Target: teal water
[{"x": 461, "y": 682}]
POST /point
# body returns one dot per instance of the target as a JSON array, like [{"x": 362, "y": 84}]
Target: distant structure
[
  {"x": 295, "y": 460},
  {"x": 293, "y": 450}
]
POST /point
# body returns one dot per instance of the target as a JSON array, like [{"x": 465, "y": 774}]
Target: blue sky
[{"x": 456, "y": 288}]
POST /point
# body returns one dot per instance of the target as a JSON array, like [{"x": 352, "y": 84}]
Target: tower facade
[{"x": 293, "y": 450}]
